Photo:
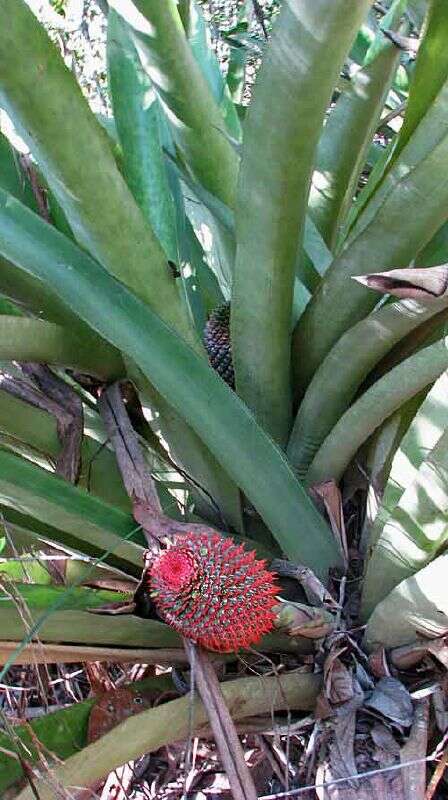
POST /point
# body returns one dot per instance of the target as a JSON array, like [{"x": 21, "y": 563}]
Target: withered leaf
[
  {"x": 425, "y": 284},
  {"x": 391, "y": 700}
]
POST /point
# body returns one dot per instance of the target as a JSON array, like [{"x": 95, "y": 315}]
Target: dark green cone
[{"x": 217, "y": 343}]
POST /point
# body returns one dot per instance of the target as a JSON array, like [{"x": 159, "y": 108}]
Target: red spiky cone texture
[{"x": 213, "y": 592}]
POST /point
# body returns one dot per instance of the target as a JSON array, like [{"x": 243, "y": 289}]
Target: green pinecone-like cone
[{"x": 217, "y": 343}]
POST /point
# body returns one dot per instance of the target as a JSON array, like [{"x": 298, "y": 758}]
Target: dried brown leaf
[
  {"x": 422, "y": 284},
  {"x": 378, "y": 663},
  {"x": 391, "y": 700},
  {"x": 329, "y": 493},
  {"x": 338, "y": 680},
  {"x": 300, "y": 620}
]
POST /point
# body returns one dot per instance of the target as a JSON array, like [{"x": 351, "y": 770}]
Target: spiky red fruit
[{"x": 213, "y": 592}]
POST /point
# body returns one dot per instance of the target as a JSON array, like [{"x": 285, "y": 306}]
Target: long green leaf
[
  {"x": 421, "y": 437},
  {"x": 12, "y": 178},
  {"x": 415, "y": 531},
  {"x": 83, "y": 522},
  {"x": 345, "y": 140},
  {"x": 182, "y": 378},
  {"x": 293, "y": 88},
  {"x": 140, "y": 127},
  {"x": 200, "y": 40},
  {"x": 348, "y": 363},
  {"x": 144, "y": 137},
  {"x": 33, "y": 432},
  {"x": 195, "y": 119},
  {"x": 63, "y": 617},
  {"x": 217, "y": 498},
  {"x": 75, "y": 156},
  {"x": 25, "y": 339},
  {"x": 388, "y": 232},
  {"x": 40, "y": 300},
  {"x": 41, "y": 598},
  {"x": 159, "y": 726},
  {"x": 417, "y": 608},
  {"x": 374, "y": 406},
  {"x": 431, "y": 70},
  {"x": 137, "y": 117},
  {"x": 378, "y": 455},
  {"x": 436, "y": 251}
]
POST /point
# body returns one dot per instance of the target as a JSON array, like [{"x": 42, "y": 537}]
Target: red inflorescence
[{"x": 213, "y": 592}]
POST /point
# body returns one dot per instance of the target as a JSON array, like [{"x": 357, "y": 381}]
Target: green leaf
[
  {"x": 293, "y": 88},
  {"x": 416, "y": 608},
  {"x": 184, "y": 379},
  {"x": 25, "y": 339},
  {"x": 12, "y": 178},
  {"x": 390, "y": 21},
  {"x": 422, "y": 436},
  {"x": 63, "y": 733},
  {"x": 37, "y": 298},
  {"x": 436, "y": 251},
  {"x": 43, "y": 99},
  {"x": 431, "y": 71},
  {"x": 345, "y": 140},
  {"x": 416, "y": 11},
  {"x": 343, "y": 371},
  {"x": 202, "y": 275},
  {"x": 142, "y": 133},
  {"x": 81, "y": 627},
  {"x": 83, "y": 522},
  {"x": 373, "y": 407},
  {"x": 217, "y": 498},
  {"x": 32, "y": 432},
  {"x": 236, "y": 72},
  {"x": 195, "y": 119},
  {"x": 137, "y": 118},
  {"x": 417, "y": 526},
  {"x": 206, "y": 212},
  {"x": 315, "y": 247},
  {"x": 388, "y": 232},
  {"x": 379, "y": 454},
  {"x": 42, "y": 598},
  {"x": 201, "y": 45}
]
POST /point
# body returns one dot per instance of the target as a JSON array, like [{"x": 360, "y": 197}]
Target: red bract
[{"x": 213, "y": 592}]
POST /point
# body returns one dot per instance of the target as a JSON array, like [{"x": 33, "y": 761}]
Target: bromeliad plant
[{"x": 119, "y": 239}]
